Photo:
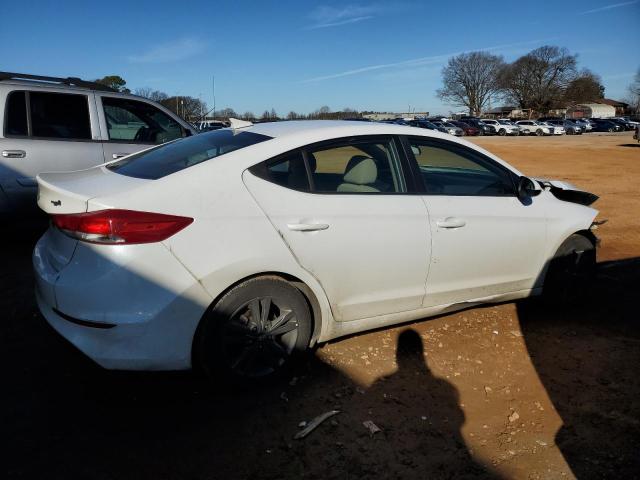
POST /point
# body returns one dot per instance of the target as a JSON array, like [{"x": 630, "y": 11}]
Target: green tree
[{"x": 114, "y": 81}]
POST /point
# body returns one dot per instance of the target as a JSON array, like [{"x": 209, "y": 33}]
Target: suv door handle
[
  {"x": 14, "y": 153},
  {"x": 119, "y": 155},
  {"x": 307, "y": 227},
  {"x": 451, "y": 222}
]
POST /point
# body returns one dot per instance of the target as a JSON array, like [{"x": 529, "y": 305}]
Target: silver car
[{"x": 52, "y": 124}]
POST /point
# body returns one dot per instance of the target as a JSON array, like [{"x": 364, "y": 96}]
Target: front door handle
[
  {"x": 307, "y": 227},
  {"x": 451, "y": 222},
  {"x": 119, "y": 155},
  {"x": 14, "y": 154}
]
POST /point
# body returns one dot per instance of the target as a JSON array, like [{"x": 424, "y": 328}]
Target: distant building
[
  {"x": 621, "y": 107},
  {"x": 591, "y": 110},
  {"x": 376, "y": 117}
]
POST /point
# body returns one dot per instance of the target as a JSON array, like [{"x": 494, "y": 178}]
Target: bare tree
[
  {"x": 539, "y": 79},
  {"x": 633, "y": 98},
  {"x": 155, "y": 95},
  {"x": 470, "y": 80},
  {"x": 248, "y": 116},
  {"x": 293, "y": 115},
  {"x": 189, "y": 108}
]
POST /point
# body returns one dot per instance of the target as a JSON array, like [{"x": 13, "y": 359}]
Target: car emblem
[{"x": 56, "y": 203}]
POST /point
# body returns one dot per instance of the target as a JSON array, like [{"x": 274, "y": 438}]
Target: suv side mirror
[{"x": 526, "y": 188}]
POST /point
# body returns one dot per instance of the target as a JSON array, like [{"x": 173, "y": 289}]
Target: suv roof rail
[{"x": 71, "y": 81}]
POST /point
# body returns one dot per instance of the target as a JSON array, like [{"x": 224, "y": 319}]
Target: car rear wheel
[
  {"x": 255, "y": 332},
  {"x": 539, "y": 132},
  {"x": 571, "y": 271}
]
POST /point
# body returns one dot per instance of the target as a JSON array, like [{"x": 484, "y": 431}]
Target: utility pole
[{"x": 213, "y": 91}]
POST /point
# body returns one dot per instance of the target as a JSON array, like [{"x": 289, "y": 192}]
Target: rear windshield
[{"x": 175, "y": 156}]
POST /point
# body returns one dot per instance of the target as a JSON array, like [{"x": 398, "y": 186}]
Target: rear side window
[
  {"x": 52, "y": 115},
  {"x": 59, "y": 115},
  {"x": 16, "y": 115},
  {"x": 138, "y": 122},
  {"x": 173, "y": 157},
  {"x": 287, "y": 171}
]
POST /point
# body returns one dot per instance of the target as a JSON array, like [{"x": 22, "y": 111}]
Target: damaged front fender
[{"x": 567, "y": 192}]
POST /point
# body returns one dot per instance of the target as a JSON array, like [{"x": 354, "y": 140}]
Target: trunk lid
[{"x": 70, "y": 192}]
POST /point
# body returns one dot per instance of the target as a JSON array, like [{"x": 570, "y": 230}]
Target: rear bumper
[{"x": 127, "y": 308}]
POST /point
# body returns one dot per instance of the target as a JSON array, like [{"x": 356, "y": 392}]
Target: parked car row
[{"x": 545, "y": 126}]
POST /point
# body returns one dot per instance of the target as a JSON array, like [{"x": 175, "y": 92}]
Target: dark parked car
[
  {"x": 623, "y": 123},
  {"x": 604, "y": 125},
  {"x": 426, "y": 124},
  {"x": 482, "y": 128},
  {"x": 466, "y": 128}
]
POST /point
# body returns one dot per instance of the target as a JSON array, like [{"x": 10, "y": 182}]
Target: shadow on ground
[
  {"x": 587, "y": 357},
  {"x": 64, "y": 417}
]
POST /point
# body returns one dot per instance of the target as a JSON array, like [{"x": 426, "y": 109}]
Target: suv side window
[
  {"x": 450, "y": 169},
  {"x": 138, "y": 122},
  {"x": 52, "y": 115},
  {"x": 16, "y": 114}
]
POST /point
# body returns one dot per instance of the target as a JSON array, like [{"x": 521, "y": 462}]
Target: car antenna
[{"x": 234, "y": 123}]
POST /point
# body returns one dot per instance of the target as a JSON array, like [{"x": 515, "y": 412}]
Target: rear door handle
[
  {"x": 119, "y": 155},
  {"x": 307, "y": 227},
  {"x": 451, "y": 222},
  {"x": 14, "y": 153}
]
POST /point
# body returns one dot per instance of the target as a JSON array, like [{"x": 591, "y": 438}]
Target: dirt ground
[{"x": 508, "y": 391}]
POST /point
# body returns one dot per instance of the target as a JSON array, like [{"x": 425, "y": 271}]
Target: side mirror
[
  {"x": 416, "y": 150},
  {"x": 526, "y": 188}
]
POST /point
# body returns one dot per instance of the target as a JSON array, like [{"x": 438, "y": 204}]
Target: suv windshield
[{"x": 175, "y": 156}]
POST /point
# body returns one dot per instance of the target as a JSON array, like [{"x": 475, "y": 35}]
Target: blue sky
[{"x": 296, "y": 55}]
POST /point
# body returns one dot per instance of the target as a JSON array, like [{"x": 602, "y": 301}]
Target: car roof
[{"x": 330, "y": 128}]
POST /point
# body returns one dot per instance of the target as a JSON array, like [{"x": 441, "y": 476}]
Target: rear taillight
[{"x": 120, "y": 226}]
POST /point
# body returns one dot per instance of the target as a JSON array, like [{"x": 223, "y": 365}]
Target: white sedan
[{"x": 238, "y": 249}]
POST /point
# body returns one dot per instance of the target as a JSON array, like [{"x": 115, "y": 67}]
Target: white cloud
[
  {"x": 609, "y": 7},
  {"x": 412, "y": 63},
  {"x": 170, "y": 52},
  {"x": 326, "y": 16}
]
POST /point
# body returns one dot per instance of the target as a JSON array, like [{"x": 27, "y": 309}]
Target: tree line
[
  {"x": 545, "y": 78},
  {"x": 191, "y": 108}
]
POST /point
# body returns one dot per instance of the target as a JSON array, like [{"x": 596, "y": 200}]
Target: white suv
[
  {"x": 531, "y": 127},
  {"x": 501, "y": 127},
  {"x": 51, "y": 124}
]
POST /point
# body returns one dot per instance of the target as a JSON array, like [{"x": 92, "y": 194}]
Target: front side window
[
  {"x": 175, "y": 156},
  {"x": 449, "y": 169},
  {"x": 138, "y": 122}
]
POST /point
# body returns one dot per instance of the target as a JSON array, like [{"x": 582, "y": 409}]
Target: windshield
[{"x": 175, "y": 156}]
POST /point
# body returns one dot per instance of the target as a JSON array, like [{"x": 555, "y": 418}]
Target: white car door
[
  {"x": 486, "y": 241},
  {"x": 130, "y": 125},
  {"x": 45, "y": 131},
  {"x": 342, "y": 209}
]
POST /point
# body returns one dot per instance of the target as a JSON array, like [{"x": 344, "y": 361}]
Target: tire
[
  {"x": 232, "y": 343},
  {"x": 502, "y": 132},
  {"x": 610, "y": 130},
  {"x": 539, "y": 132},
  {"x": 571, "y": 271}
]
